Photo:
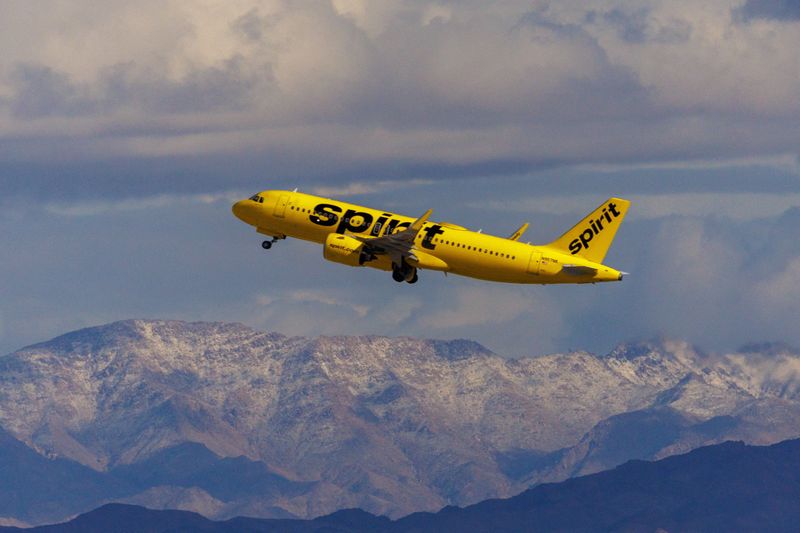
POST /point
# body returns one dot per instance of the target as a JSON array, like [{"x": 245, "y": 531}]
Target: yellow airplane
[{"x": 359, "y": 236}]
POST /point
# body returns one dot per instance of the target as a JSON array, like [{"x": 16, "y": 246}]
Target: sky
[{"x": 127, "y": 129}]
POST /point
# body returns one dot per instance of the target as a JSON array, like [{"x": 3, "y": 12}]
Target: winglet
[
  {"x": 517, "y": 234},
  {"x": 417, "y": 225}
]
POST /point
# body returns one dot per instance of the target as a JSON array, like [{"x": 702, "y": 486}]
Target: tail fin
[{"x": 591, "y": 237}]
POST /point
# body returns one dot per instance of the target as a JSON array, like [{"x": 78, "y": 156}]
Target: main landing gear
[{"x": 404, "y": 272}]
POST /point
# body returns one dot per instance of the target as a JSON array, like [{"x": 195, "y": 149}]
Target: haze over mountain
[{"x": 227, "y": 421}]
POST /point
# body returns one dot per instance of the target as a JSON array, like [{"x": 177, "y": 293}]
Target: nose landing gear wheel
[
  {"x": 398, "y": 276},
  {"x": 268, "y": 244},
  {"x": 414, "y": 278}
]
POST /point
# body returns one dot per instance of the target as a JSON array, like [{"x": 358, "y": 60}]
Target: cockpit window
[{"x": 257, "y": 198}]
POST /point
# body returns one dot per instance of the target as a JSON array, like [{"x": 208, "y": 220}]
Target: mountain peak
[
  {"x": 459, "y": 349},
  {"x": 141, "y": 331},
  {"x": 675, "y": 349}
]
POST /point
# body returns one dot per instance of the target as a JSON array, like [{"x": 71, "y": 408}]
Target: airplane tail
[{"x": 591, "y": 237}]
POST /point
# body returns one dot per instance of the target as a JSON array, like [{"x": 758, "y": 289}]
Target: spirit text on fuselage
[{"x": 328, "y": 215}]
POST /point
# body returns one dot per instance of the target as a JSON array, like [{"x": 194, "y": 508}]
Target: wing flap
[{"x": 397, "y": 245}]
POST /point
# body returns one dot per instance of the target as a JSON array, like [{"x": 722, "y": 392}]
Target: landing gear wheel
[
  {"x": 398, "y": 276},
  {"x": 266, "y": 245},
  {"x": 414, "y": 278}
]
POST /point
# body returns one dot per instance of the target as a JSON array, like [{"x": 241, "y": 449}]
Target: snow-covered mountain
[{"x": 304, "y": 426}]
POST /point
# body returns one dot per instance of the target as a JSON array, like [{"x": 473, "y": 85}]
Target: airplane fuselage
[{"x": 437, "y": 245}]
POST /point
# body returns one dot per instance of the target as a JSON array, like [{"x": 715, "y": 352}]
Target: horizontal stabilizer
[{"x": 578, "y": 270}]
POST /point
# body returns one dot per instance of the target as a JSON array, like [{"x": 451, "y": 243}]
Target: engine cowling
[{"x": 345, "y": 250}]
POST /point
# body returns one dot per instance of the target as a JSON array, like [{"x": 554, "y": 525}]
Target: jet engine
[{"x": 345, "y": 250}]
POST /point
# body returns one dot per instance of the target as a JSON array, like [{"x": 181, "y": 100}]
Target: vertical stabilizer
[{"x": 591, "y": 237}]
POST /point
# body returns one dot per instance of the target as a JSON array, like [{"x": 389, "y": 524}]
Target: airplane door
[
  {"x": 280, "y": 206},
  {"x": 535, "y": 262}
]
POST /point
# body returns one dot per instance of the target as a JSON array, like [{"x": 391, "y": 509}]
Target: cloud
[
  {"x": 778, "y": 296},
  {"x": 309, "y": 311},
  {"x": 161, "y": 201},
  {"x": 711, "y": 279},
  {"x": 736, "y": 206},
  {"x": 475, "y": 310},
  {"x": 475, "y": 306},
  {"x": 315, "y": 297},
  {"x": 771, "y": 9},
  {"x": 420, "y": 90},
  {"x": 366, "y": 187},
  {"x": 127, "y": 129}
]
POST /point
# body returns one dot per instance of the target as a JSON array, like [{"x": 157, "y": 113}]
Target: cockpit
[{"x": 257, "y": 198}]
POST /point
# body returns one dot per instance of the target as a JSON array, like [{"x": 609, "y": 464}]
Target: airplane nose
[{"x": 239, "y": 210}]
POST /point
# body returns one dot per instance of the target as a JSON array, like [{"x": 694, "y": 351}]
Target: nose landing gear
[{"x": 268, "y": 244}]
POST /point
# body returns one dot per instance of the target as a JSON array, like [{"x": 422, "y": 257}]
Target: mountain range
[
  {"x": 228, "y": 421},
  {"x": 724, "y": 487}
]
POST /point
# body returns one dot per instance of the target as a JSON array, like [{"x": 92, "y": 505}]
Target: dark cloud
[
  {"x": 631, "y": 27},
  {"x": 226, "y": 87},
  {"x": 771, "y": 9},
  {"x": 41, "y": 91},
  {"x": 127, "y": 177},
  {"x": 250, "y": 25},
  {"x": 308, "y": 94}
]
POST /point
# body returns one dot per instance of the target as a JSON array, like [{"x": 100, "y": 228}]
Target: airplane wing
[
  {"x": 517, "y": 234},
  {"x": 397, "y": 245}
]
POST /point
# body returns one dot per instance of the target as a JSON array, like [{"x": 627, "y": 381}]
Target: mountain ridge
[{"x": 390, "y": 424}]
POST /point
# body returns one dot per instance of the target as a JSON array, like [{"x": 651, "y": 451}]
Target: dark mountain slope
[
  {"x": 726, "y": 487},
  {"x": 49, "y": 488}
]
